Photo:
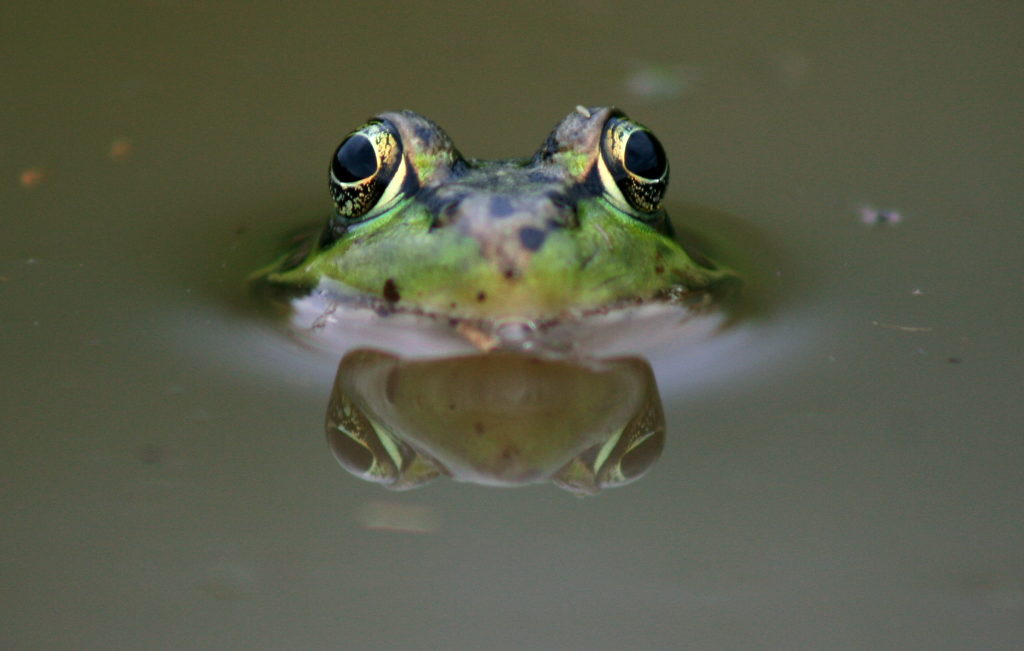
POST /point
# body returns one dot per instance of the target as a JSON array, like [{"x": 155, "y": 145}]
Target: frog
[{"x": 577, "y": 229}]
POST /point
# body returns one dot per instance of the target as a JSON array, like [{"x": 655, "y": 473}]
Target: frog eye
[
  {"x": 636, "y": 162},
  {"x": 363, "y": 167}
]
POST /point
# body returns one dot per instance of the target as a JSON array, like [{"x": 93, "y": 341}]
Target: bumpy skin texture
[{"x": 523, "y": 239}]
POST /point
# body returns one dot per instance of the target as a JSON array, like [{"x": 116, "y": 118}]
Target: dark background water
[{"x": 854, "y": 481}]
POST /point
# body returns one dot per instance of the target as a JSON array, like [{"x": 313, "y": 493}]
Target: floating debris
[
  {"x": 662, "y": 81},
  {"x": 121, "y": 150},
  {"x": 32, "y": 177},
  {"x": 879, "y": 217}
]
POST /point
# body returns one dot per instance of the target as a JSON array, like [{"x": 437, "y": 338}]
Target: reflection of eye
[
  {"x": 639, "y": 458},
  {"x": 353, "y": 455},
  {"x": 637, "y": 163},
  {"x": 365, "y": 164}
]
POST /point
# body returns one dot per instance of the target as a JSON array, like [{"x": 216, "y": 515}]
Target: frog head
[{"x": 578, "y": 227}]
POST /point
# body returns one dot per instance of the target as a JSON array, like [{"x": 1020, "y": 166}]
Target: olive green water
[{"x": 846, "y": 474}]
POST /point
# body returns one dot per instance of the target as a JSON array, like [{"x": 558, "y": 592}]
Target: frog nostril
[{"x": 532, "y": 238}]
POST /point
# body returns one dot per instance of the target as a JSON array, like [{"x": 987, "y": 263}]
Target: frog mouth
[{"x": 339, "y": 321}]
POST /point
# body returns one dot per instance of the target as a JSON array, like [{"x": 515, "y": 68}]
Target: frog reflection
[{"x": 502, "y": 419}]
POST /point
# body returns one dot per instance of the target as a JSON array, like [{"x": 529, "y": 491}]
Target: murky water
[{"x": 845, "y": 472}]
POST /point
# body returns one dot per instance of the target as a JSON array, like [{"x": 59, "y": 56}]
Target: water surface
[{"x": 844, "y": 474}]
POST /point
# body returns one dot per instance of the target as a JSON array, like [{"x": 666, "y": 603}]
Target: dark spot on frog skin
[
  {"x": 501, "y": 207},
  {"x": 532, "y": 238},
  {"x": 481, "y": 296},
  {"x": 425, "y": 133},
  {"x": 478, "y": 427},
  {"x": 390, "y": 291}
]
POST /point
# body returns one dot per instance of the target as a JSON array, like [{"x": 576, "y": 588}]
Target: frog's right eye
[
  {"x": 363, "y": 167},
  {"x": 636, "y": 164}
]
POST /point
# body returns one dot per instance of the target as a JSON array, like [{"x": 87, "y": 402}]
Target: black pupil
[
  {"x": 355, "y": 160},
  {"x": 644, "y": 155}
]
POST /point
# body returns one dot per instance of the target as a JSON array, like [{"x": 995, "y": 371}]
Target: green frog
[{"x": 575, "y": 230}]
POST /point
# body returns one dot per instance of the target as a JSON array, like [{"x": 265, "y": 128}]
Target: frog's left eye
[
  {"x": 363, "y": 168},
  {"x": 636, "y": 162}
]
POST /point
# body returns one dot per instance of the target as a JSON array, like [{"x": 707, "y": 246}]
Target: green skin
[{"x": 547, "y": 238}]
